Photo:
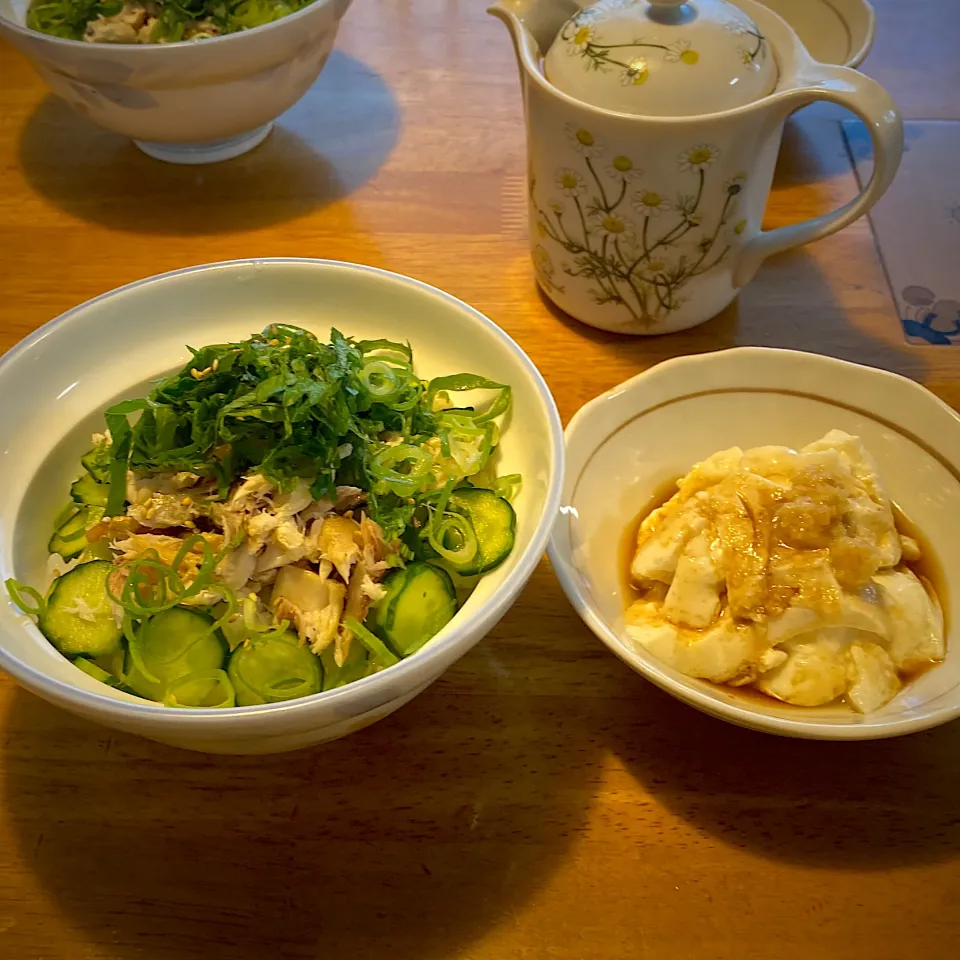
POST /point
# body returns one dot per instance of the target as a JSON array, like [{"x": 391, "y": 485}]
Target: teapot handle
[{"x": 869, "y": 101}]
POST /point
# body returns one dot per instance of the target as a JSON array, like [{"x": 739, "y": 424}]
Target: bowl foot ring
[{"x": 211, "y": 152}]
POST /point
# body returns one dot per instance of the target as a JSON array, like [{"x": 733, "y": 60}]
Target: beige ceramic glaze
[
  {"x": 834, "y": 31},
  {"x": 625, "y": 446},
  {"x": 662, "y": 58},
  {"x": 60, "y": 379},
  {"x": 194, "y": 102},
  {"x": 648, "y": 225}
]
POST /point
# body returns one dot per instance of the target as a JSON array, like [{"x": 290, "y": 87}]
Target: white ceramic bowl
[
  {"x": 193, "y": 102},
  {"x": 623, "y": 447},
  {"x": 55, "y": 384}
]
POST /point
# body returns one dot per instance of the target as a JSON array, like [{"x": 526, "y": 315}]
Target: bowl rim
[
  {"x": 685, "y": 688},
  {"x": 482, "y": 621},
  {"x": 26, "y": 31}
]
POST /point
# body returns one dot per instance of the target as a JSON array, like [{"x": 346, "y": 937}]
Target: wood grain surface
[{"x": 541, "y": 800}]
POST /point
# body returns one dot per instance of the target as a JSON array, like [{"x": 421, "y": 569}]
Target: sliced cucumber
[
  {"x": 97, "y": 462},
  {"x": 420, "y": 600},
  {"x": 170, "y": 646},
  {"x": 70, "y": 510},
  {"x": 70, "y": 538},
  {"x": 494, "y": 522},
  {"x": 273, "y": 668},
  {"x": 78, "y": 619},
  {"x": 92, "y": 670},
  {"x": 87, "y": 491}
]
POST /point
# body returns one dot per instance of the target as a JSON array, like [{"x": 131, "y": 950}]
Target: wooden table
[{"x": 540, "y": 800}]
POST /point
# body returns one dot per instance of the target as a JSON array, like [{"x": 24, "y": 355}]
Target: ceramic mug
[{"x": 651, "y": 225}]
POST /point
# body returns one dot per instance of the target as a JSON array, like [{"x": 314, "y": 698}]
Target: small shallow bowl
[
  {"x": 834, "y": 31},
  {"x": 626, "y": 446},
  {"x": 195, "y": 102},
  {"x": 55, "y": 384}
]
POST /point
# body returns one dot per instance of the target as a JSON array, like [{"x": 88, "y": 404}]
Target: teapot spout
[{"x": 533, "y": 25}]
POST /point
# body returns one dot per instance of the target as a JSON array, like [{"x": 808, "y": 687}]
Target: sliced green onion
[
  {"x": 380, "y": 380},
  {"x": 133, "y": 647},
  {"x": 508, "y": 487},
  {"x": 374, "y": 644},
  {"x": 383, "y": 468},
  {"x": 456, "y": 527},
  {"x": 30, "y": 601},
  {"x": 205, "y": 688}
]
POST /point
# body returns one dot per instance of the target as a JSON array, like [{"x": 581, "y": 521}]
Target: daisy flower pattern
[
  {"x": 583, "y": 141},
  {"x": 737, "y": 25},
  {"x": 735, "y": 184},
  {"x": 681, "y": 52},
  {"x": 698, "y": 158},
  {"x": 636, "y": 74},
  {"x": 570, "y": 182},
  {"x": 622, "y": 168},
  {"x": 624, "y": 244},
  {"x": 649, "y": 203},
  {"x": 613, "y": 226}
]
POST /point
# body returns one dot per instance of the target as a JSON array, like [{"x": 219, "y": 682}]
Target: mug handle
[{"x": 877, "y": 109}]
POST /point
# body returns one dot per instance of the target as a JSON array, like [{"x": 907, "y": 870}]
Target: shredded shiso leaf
[{"x": 69, "y": 18}]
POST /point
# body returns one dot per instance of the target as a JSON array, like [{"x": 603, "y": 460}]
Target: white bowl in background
[
  {"x": 626, "y": 445},
  {"x": 55, "y": 384},
  {"x": 834, "y": 31},
  {"x": 193, "y": 102}
]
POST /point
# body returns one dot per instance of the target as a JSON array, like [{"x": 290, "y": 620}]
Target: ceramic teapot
[{"x": 648, "y": 181}]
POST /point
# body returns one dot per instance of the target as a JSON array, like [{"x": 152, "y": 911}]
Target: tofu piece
[
  {"x": 724, "y": 653},
  {"x": 870, "y": 515},
  {"x": 711, "y": 471},
  {"x": 814, "y": 672},
  {"x": 915, "y": 636},
  {"x": 873, "y": 677},
  {"x": 694, "y": 596},
  {"x": 864, "y": 613},
  {"x": 659, "y": 550}
]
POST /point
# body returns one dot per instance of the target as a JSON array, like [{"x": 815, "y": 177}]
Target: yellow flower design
[
  {"x": 740, "y": 227},
  {"x": 542, "y": 261},
  {"x": 698, "y": 157},
  {"x": 571, "y": 183},
  {"x": 622, "y": 168},
  {"x": 615, "y": 227},
  {"x": 582, "y": 37},
  {"x": 583, "y": 141},
  {"x": 681, "y": 52},
  {"x": 636, "y": 74},
  {"x": 649, "y": 203}
]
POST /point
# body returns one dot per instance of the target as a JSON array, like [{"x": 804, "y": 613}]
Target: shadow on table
[
  {"x": 407, "y": 840},
  {"x": 840, "y": 805},
  {"x": 327, "y": 145},
  {"x": 810, "y": 319}
]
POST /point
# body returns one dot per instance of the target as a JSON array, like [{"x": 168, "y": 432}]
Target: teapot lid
[{"x": 662, "y": 58}]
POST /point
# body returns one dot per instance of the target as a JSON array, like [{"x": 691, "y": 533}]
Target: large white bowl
[
  {"x": 55, "y": 384},
  {"x": 194, "y": 102},
  {"x": 624, "y": 446}
]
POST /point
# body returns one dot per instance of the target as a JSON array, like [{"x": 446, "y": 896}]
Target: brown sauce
[{"x": 928, "y": 570}]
